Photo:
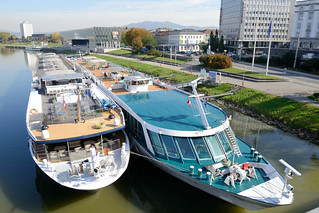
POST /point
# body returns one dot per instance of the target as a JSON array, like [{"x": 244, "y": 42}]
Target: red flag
[
  {"x": 64, "y": 104},
  {"x": 189, "y": 102}
]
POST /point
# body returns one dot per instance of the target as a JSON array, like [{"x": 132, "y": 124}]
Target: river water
[{"x": 143, "y": 188}]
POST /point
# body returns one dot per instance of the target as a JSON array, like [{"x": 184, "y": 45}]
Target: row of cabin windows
[
  {"x": 205, "y": 148},
  {"x": 133, "y": 124}
]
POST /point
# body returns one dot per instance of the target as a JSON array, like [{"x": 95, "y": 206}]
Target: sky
[{"x": 60, "y": 15}]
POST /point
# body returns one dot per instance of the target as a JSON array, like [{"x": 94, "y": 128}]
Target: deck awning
[{"x": 62, "y": 77}]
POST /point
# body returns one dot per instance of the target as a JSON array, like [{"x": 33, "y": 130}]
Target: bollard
[
  {"x": 252, "y": 150},
  {"x": 256, "y": 154},
  {"x": 259, "y": 158},
  {"x": 209, "y": 177},
  {"x": 191, "y": 169},
  {"x": 200, "y": 173}
]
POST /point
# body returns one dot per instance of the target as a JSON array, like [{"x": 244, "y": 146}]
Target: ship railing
[{"x": 111, "y": 144}]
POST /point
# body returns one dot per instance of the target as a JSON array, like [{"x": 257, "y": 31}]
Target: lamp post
[{"x": 298, "y": 42}]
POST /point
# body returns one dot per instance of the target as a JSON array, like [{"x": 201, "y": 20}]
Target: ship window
[
  {"x": 224, "y": 142},
  {"x": 156, "y": 142},
  {"x": 170, "y": 146},
  {"x": 215, "y": 148},
  {"x": 185, "y": 148},
  {"x": 201, "y": 148}
]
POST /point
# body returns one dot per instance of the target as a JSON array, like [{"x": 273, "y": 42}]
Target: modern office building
[
  {"x": 306, "y": 25},
  {"x": 101, "y": 39},
  {"x": 240, "y": 19},
  {"x": 26, "y": 29}
]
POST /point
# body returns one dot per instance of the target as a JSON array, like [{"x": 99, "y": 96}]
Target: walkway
[{"x": 297, "y": 87}]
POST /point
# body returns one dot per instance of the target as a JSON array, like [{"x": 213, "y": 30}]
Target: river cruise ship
[
  {"x": 76, "y": 131},
  {"x": 191, "y": 139}
]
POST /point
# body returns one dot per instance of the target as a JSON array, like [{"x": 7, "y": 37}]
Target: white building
[
  {"x": 306, "y": 25},
  {"x": 182, "y": 40},
  {"x": 240, "y": 19},
  {"x": 26, "y": 29}
]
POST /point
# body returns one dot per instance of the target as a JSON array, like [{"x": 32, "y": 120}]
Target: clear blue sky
[{"x": 59, "y": 15}]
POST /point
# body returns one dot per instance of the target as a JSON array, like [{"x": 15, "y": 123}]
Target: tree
[
  {"x": 13, "y": 37},
  {"x": 289, "y": 58},
  {"x": 221, "y": 44},
  {"x": 55, "y": 38},
  {"x": 149, "y": 41},
  {"x": 136, "y": 37},
  {"x": 137, "y": 43},
  {"x": 4, "y": 37}
]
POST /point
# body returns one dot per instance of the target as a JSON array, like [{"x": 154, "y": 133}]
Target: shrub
[
  {"x": 216, "y": 61},
  {"x": 311, "y": 65},
  {"x": 154, "y": 52},
  {"x": 275, "y": 61},
  {"x": 315, "y": 96}
]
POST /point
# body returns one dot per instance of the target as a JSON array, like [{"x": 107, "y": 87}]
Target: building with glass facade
[
  {"x": 306, "y": 25},
  {"x": 240, "y": 20},
  {"x": 100, "y": 38}
]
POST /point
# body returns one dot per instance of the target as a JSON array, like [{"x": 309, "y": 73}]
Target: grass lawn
[
  {"x": 150, "y": 69},
  {"x": 249, "y": 73},
  {"x": 143, "y": 55},
  {"x": 288, "y": 111}
]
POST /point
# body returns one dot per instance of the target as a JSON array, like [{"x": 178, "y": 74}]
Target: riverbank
[{"x": 289, "y": 115}]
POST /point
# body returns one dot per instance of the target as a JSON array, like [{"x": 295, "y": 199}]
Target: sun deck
[
  {"x": 69, "y": 106},
  {"x": 169, "y": 110}
]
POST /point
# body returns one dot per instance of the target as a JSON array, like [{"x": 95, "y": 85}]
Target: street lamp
[{"x": 298, "y": 42}]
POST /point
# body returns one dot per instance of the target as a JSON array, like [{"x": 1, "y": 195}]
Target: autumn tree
[
  {"x": 55, "y": 38},
  {"x": 137, "y": 38},
  {"x": 4, "y": 37}
]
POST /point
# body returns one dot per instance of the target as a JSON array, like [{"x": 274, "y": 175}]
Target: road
[{"x": 298, "y": 86}]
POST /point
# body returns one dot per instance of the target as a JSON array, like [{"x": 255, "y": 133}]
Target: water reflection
[
  {"x": 7, "y": 51},
  {"x": 53, "y": 195}
]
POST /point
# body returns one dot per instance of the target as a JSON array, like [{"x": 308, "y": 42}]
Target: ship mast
[{"x": 199, "y": 104}]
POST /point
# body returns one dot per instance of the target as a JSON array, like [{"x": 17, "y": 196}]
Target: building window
[{"x": 310, "y": 16}]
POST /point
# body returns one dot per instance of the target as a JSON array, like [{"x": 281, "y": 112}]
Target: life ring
[{"x": 33, "y": 111}]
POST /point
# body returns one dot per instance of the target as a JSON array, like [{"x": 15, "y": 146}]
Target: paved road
[{"x": 298, "y": 86}]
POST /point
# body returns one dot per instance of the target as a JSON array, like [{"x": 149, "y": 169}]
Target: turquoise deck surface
[{"x": 169, "y": 110}]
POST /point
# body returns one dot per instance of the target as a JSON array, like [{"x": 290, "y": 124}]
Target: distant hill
[{"x": 150, "y": 25}]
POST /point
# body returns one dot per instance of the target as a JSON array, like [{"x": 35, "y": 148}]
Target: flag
[
  {"x": 64, "y": 104},
  {"x": 269, "y": 29},
  {"x": 189, "y": 102}
]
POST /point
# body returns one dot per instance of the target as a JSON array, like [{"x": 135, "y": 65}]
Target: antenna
[
  {"x": 289, "y": 171},
  {"x": 199, "y": 104}
]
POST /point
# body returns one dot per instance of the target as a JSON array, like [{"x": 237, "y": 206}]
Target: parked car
[{"x": 308, "y": 55}]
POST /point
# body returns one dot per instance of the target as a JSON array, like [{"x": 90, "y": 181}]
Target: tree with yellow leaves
[
  {"x": 55, "y": 38},
  {"x": 137, "y": 38}
]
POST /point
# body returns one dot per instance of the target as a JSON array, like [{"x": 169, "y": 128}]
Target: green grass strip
[
  {"x": 249, "y": 73},
  {"x": 150, "y": 69},
  {"x": 143, "y": 55},
  {"x": 290, "y": 112}
]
